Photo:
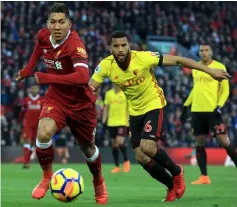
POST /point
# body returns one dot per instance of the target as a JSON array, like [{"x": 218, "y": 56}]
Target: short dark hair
[
  {"x": 206, "y": 44},
  {"x": 117, "y": 34},
  {"x": 59, "y": 8}
]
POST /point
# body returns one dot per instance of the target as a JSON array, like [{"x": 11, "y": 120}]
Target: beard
[{"x": 124, "y": 61}]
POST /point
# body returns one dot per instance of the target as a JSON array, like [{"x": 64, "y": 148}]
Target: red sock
[
  {"x": 26, "y": 155},
  {"x": 45, "y": 157},
  {"x": 95, "y": 169}
]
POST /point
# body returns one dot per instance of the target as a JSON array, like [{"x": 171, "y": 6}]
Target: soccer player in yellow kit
[
  {"x": 207, "y": 98},
  {"x": 133, "y": 73},
  {"x": 115, "y": 114}
]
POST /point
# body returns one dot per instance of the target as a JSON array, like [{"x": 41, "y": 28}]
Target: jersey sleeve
[
  {"x": 153, "y": 59},
  {"x": 101, "y": 72},
  {"x": 79, "y": 55},
  {"x": 106, "y": 101},
  {"x": 224, "y": 90}
]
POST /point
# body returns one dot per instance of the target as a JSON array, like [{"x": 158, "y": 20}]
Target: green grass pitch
[{"x": 135, "y": 189}]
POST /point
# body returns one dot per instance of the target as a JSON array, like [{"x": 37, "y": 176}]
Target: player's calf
[{"x": 93, "y": 159}]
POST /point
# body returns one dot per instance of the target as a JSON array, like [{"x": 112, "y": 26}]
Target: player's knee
[
  {"x": 88, "y": 150},
  {"x": 200, "y": 141},
  {"x": 114, "y": 143},
  {"x": 142, "y": 158},
  {"x": 148, "y": 147},
  {"x": 45, "y": 134},
  {"x": 47, "y": 128},
  {"x": 224, "y": 140},
  {"x": 120, "y": 140}
]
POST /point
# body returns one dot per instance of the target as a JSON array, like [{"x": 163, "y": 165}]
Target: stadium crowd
[{"x": 191, "y": 22}]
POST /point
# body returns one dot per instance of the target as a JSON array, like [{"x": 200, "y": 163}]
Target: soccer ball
[{"x": 66, "y": 185}]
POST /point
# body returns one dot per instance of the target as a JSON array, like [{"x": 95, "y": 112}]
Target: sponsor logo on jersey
[
  {"x": 53, "y": 64},
  {"x": 133, "y": 81}
]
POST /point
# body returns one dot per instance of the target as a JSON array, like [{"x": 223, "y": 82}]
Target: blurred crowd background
[{"x": 192, "y": 23}]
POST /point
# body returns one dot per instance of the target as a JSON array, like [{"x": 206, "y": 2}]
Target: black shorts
[
  {"x": 118, "y": 131},
  {"x": 150, "y": 125},
  {"x": 203, "y": 122},
  {"x": 60, "y": 142}
]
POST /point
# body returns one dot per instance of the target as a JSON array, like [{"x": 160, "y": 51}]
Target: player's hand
[
  {"x": 19, "y": 77},
  {"x": 219, "y": 75},
  {"x": 218, "y": 111},
  {"x": 38, "y": 77}
]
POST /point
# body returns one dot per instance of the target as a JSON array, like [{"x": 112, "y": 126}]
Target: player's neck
[
  {"x": 125, "y": 65},
  {"x": 207, "y": 62}
]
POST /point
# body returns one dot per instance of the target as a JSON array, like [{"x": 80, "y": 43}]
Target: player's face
[
  {"x": 34, "y": 89},
  {"x": 120, "y": 49},
  {"x": 205, "y": 53},
  {"x": 59, "y": 26}
]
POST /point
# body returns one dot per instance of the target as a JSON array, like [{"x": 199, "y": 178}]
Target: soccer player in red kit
[
  {"x": 69, "y": 100},
  {"x": 30, "y": 116}
]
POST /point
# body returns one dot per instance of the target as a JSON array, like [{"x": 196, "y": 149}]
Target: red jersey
[
  {"x": 63, "y": 59},
  {"x": 32, "y": 108}
]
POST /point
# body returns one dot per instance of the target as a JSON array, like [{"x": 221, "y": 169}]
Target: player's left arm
[
  {"x": 101, "y": 72},
  {"x": 79, "y": 77},
  {"x": 218, "y": 74},
  {"x": 223, "y": 94}
]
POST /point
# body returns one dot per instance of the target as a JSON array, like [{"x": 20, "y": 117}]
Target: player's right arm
[
  {"x": 101, "y": 72},
  {"x": 28, "y": 69},
  {"x": 217, "y": 74}
]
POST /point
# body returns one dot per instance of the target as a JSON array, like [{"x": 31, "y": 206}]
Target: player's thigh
[
  {"x": 219, "y": 128},
  {"x": 216, "y": 124},
  {"x": 122, "y": 132},
  {"x": 27, "y": 134},
  {"x": 200, "y": 123},
  {"x": 135, "y": 130},
  {"x": 112, "y": 132},
  {"x": 141, "y": 157},
  {"x": 154, "y": 125},
  {"x": 83, "y": 129},
  {"x": 52, "y": 120}
]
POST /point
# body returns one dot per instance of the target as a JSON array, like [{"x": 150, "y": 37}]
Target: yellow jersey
[
  {"x": 207, "y": 93},
  {"x": 118, "y": 108},
  {"x": 138, "y": 81}
]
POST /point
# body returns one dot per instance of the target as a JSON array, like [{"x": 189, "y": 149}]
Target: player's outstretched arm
[
  {"x": 217, "y": 74},
  {"x": 28, "y": 70},
  {"x": 94, "y": 84},
  {"x": 80, "y": 77}
]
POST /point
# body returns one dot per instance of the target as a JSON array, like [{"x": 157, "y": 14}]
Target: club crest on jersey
[
  {"x": 81, "y": 51},
  {"x": 49, "y": 109},
  {"x": 135, "y": 72}
]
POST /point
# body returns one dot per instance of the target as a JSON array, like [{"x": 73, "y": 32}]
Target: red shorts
[
  {"x": 82, "y": 123},
  {"x": 30, "y": 132}
]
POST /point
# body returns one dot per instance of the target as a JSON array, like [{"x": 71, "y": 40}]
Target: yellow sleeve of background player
[
  {"x": 106, "y": 101},
  {"x": 101, "y": 72},
  {"x": 189, "y": 100},
  {"x": 224, "y": 90},
  {"x": 153, "y": 59}
]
